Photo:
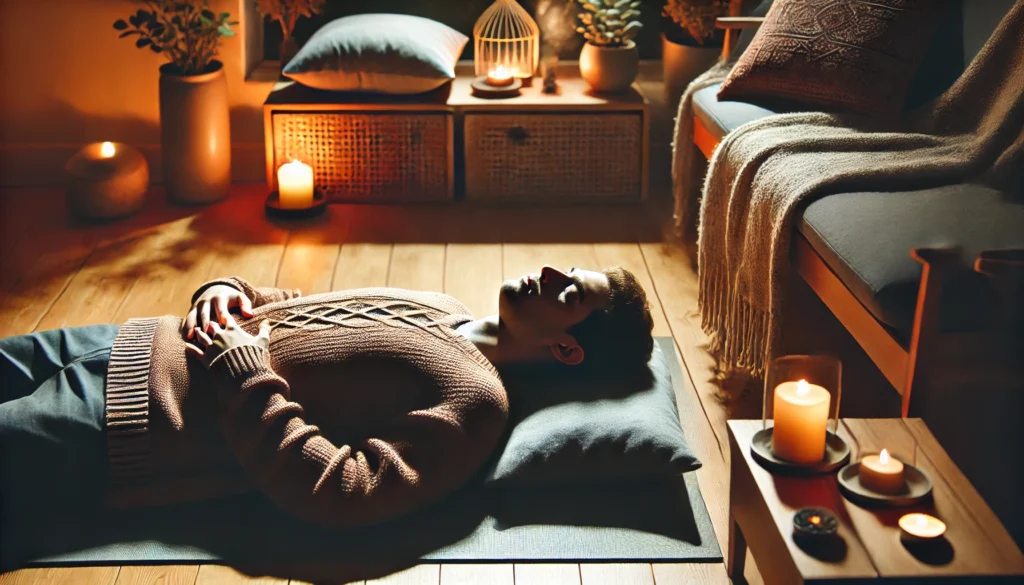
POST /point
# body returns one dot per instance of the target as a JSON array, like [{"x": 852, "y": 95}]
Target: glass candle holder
[{"x": 801, "y": 404}]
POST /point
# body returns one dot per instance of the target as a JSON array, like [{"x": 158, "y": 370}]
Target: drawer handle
[{"x": 518, "y": 134}]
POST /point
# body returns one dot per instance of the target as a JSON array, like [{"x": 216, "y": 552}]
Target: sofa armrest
[{"x": 732, "y": 26}]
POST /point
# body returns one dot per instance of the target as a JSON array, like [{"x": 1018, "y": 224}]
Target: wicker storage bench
[{"x": 374, "y": 150}]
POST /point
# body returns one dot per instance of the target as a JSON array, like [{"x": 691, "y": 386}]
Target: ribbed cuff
[
  {"x": 246, "y": 366},
  {"x": 235, "y": 283}
]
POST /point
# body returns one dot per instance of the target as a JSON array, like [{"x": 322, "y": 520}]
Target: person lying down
[{"x": 345, "y": 409}]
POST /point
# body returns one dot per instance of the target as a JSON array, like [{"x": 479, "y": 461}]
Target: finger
[
  {"x": 229, "y": 322},
  {"x": 203, "y": 337},
  {"x": 194, "y": 351},
  {"x": 245, "y": 305},
  {"x": 204, "y": 315},
  {"x": 222, "y": 310},
  {"x": 265, "y": 329},
  {"x": 216, "y": 329},
  {"x": 190, "y": 323}
]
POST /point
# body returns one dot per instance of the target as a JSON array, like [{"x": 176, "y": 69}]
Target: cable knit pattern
[{"x": 367, "y": 405}]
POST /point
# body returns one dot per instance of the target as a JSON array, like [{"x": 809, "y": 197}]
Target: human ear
[{"x": 568, "y": 352}]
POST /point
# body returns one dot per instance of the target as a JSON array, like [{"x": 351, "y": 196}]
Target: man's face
[{"x": 539, "y": 308}]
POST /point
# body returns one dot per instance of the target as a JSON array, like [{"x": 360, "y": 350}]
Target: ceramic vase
[
  {"x": 681, "y": 64},
  {"x": 609, "y": 69},
  {"x": 195, "y": 135}
]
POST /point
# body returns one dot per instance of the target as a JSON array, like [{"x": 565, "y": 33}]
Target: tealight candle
[
  {"x": 500, "y": 77},
  {"x": 917, "y": 527},
  {"x": 801, "y": 416},
  {"x": 106, "y": 180},
  {"x": 295, "y": 185},
  {"x": 881, "y": 473}
]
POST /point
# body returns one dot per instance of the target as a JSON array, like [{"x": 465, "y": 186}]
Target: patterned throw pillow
[{"x": 854, "y": 55}]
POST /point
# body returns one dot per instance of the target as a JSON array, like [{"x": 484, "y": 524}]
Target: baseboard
[{"x": 42, "y": 165}]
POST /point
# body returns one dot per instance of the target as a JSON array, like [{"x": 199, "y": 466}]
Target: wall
[{"x": 68, "y": 80}]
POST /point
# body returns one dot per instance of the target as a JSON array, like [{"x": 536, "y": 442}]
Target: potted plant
[
  {"x": 690, "y": 42},
  {"x": 195, "y": 134},
  {"x": 287, "y": 13},
  {"x": 609, "y": 60}
]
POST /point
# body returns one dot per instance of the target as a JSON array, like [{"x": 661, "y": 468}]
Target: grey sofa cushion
[
  {"x": 722, "y": 117},
  {"x": 866, "y": 238},
  {"x": 571, "y": 429}
]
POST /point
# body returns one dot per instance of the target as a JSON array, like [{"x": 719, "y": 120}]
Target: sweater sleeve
[
  {"x": 258, "y": 295},
  {"x": 414, "y": 460}
]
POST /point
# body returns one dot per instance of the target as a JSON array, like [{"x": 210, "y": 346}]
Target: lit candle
[
  {"x": 106, "y": 180},
  {"x": 881, "y": 473},
  {"x": 921, "y": 527},
  {"x": 499, "y": 77},
  {"x": 801, "y": 415},
  {"x": 295, "y": 185}
]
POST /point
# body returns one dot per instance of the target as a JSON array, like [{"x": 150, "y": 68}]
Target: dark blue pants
[{"x": 53, "y": 459}]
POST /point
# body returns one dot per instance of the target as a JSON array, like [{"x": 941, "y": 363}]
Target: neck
[{"x": 493, "y": 340}]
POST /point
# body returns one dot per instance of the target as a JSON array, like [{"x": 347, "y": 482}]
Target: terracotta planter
[
  {"x": 609, "y": 69},
  {"x": 195, "y": 135},
  {"x": 682, "y": 64}
]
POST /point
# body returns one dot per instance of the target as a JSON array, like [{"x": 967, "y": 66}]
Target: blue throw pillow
[{"x": 378, "y": 53}]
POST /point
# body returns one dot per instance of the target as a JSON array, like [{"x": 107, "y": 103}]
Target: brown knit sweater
[{"x": 367, "y": 405}]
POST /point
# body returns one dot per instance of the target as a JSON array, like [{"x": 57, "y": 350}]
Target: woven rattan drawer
[
  {"x": 369, "y": 156},
  {"x": 554, "y": 156}
]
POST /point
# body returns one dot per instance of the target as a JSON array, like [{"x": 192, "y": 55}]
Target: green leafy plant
[
  {"x": 187, "y": 32},
  {"x": 696, "y": 17},
  {"x": 288, "y": 12},
  {"x": 609, "y": 23}
]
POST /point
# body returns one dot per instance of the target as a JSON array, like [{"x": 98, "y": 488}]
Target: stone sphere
[{"x": 106, "y": 180}]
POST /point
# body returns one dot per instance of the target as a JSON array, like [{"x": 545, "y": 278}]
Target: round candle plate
[
  {"x": 485, "y": 90},
  {"x": 837, "y": 454},
  {"x": 274, "y": 209},
  {"x": 916, "y": 487}
]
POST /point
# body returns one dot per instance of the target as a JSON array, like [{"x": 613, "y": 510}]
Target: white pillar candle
[
  {"x": 881, "y": 473},
  {"x": 295, "y": 185},
  {"x": 918, "y": 526},
  {"x": 801, "y": 417}
]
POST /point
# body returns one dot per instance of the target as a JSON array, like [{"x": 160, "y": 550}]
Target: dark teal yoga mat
[{"x": 661, "y": 520}]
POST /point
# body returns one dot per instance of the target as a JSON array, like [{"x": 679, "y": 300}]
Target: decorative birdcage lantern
[{"x": 506, "y": 39}]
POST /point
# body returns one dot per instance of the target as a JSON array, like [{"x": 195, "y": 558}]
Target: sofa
[{"x": 910, "y": 275}]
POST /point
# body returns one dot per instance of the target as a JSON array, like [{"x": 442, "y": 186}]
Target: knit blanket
[{"x": 763, "y": 170}]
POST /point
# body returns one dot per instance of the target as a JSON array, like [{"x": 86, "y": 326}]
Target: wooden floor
[{"x": 54, "y": 274}]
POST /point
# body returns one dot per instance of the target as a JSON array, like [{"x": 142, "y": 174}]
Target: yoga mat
[{"x": 658, "y": 520}]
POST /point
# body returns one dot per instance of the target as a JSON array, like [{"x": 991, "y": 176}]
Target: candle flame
[
  {"x": 802, "y": 388},
  {"x": 500, "y": 72},
  {"x": 814, "y": 520},
  {"x": 883, "y": 457},
  {"x": 922, "y": 521},
  {"x": 107, "y": 149}
]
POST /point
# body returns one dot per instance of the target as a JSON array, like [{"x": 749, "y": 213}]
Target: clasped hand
[{"x": 212, "y": 329}]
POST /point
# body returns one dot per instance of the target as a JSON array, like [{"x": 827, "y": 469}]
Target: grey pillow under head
[
  {"x": 378, "y": 53},
  {"x": 566, "y": 428}
]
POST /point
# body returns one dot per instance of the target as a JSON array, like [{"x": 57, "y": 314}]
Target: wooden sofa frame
[{"x": 933, "y": 357}]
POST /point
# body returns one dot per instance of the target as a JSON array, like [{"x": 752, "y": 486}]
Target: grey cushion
[
  {"x": 569, "y": 428},
  {"x": 722, "y": 117},
  {"x": 866, "y": 238},
  {"x": 379, "y": 53}
]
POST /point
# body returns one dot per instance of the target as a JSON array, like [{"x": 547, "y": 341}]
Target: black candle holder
[
  {"x": 273, "y": 206},
  {"x": 815, "y": 522},
  {"x": 837, "y": 454},
  {"x": 483, "y": 89}
]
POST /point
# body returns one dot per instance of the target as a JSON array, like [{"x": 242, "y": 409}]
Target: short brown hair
[{"x": 618, "y": 336}]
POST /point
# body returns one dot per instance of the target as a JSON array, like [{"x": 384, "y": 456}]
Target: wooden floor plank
[
  {"x": 362, "y": 265},
  {"x": 418, "y": 575},
  {"x": 221, "y": 575},
  {"x": 686, "y": 573},
  {"x": 547, "y": 574},
  {"x": 417, "y": 267},
  {"x": 61, "y": 576},
  {"x": 157, "y": 575},
  {"x": 520, "y": 259},
  {"x": 473, "y": 574},
  {"x": 308, "y": 266},
  {"x": 472, "y": 274},
  {"x": 616, "y": 574}
]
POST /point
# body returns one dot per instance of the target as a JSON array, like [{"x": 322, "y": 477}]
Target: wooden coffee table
[{"x": 761, "y": 506}]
